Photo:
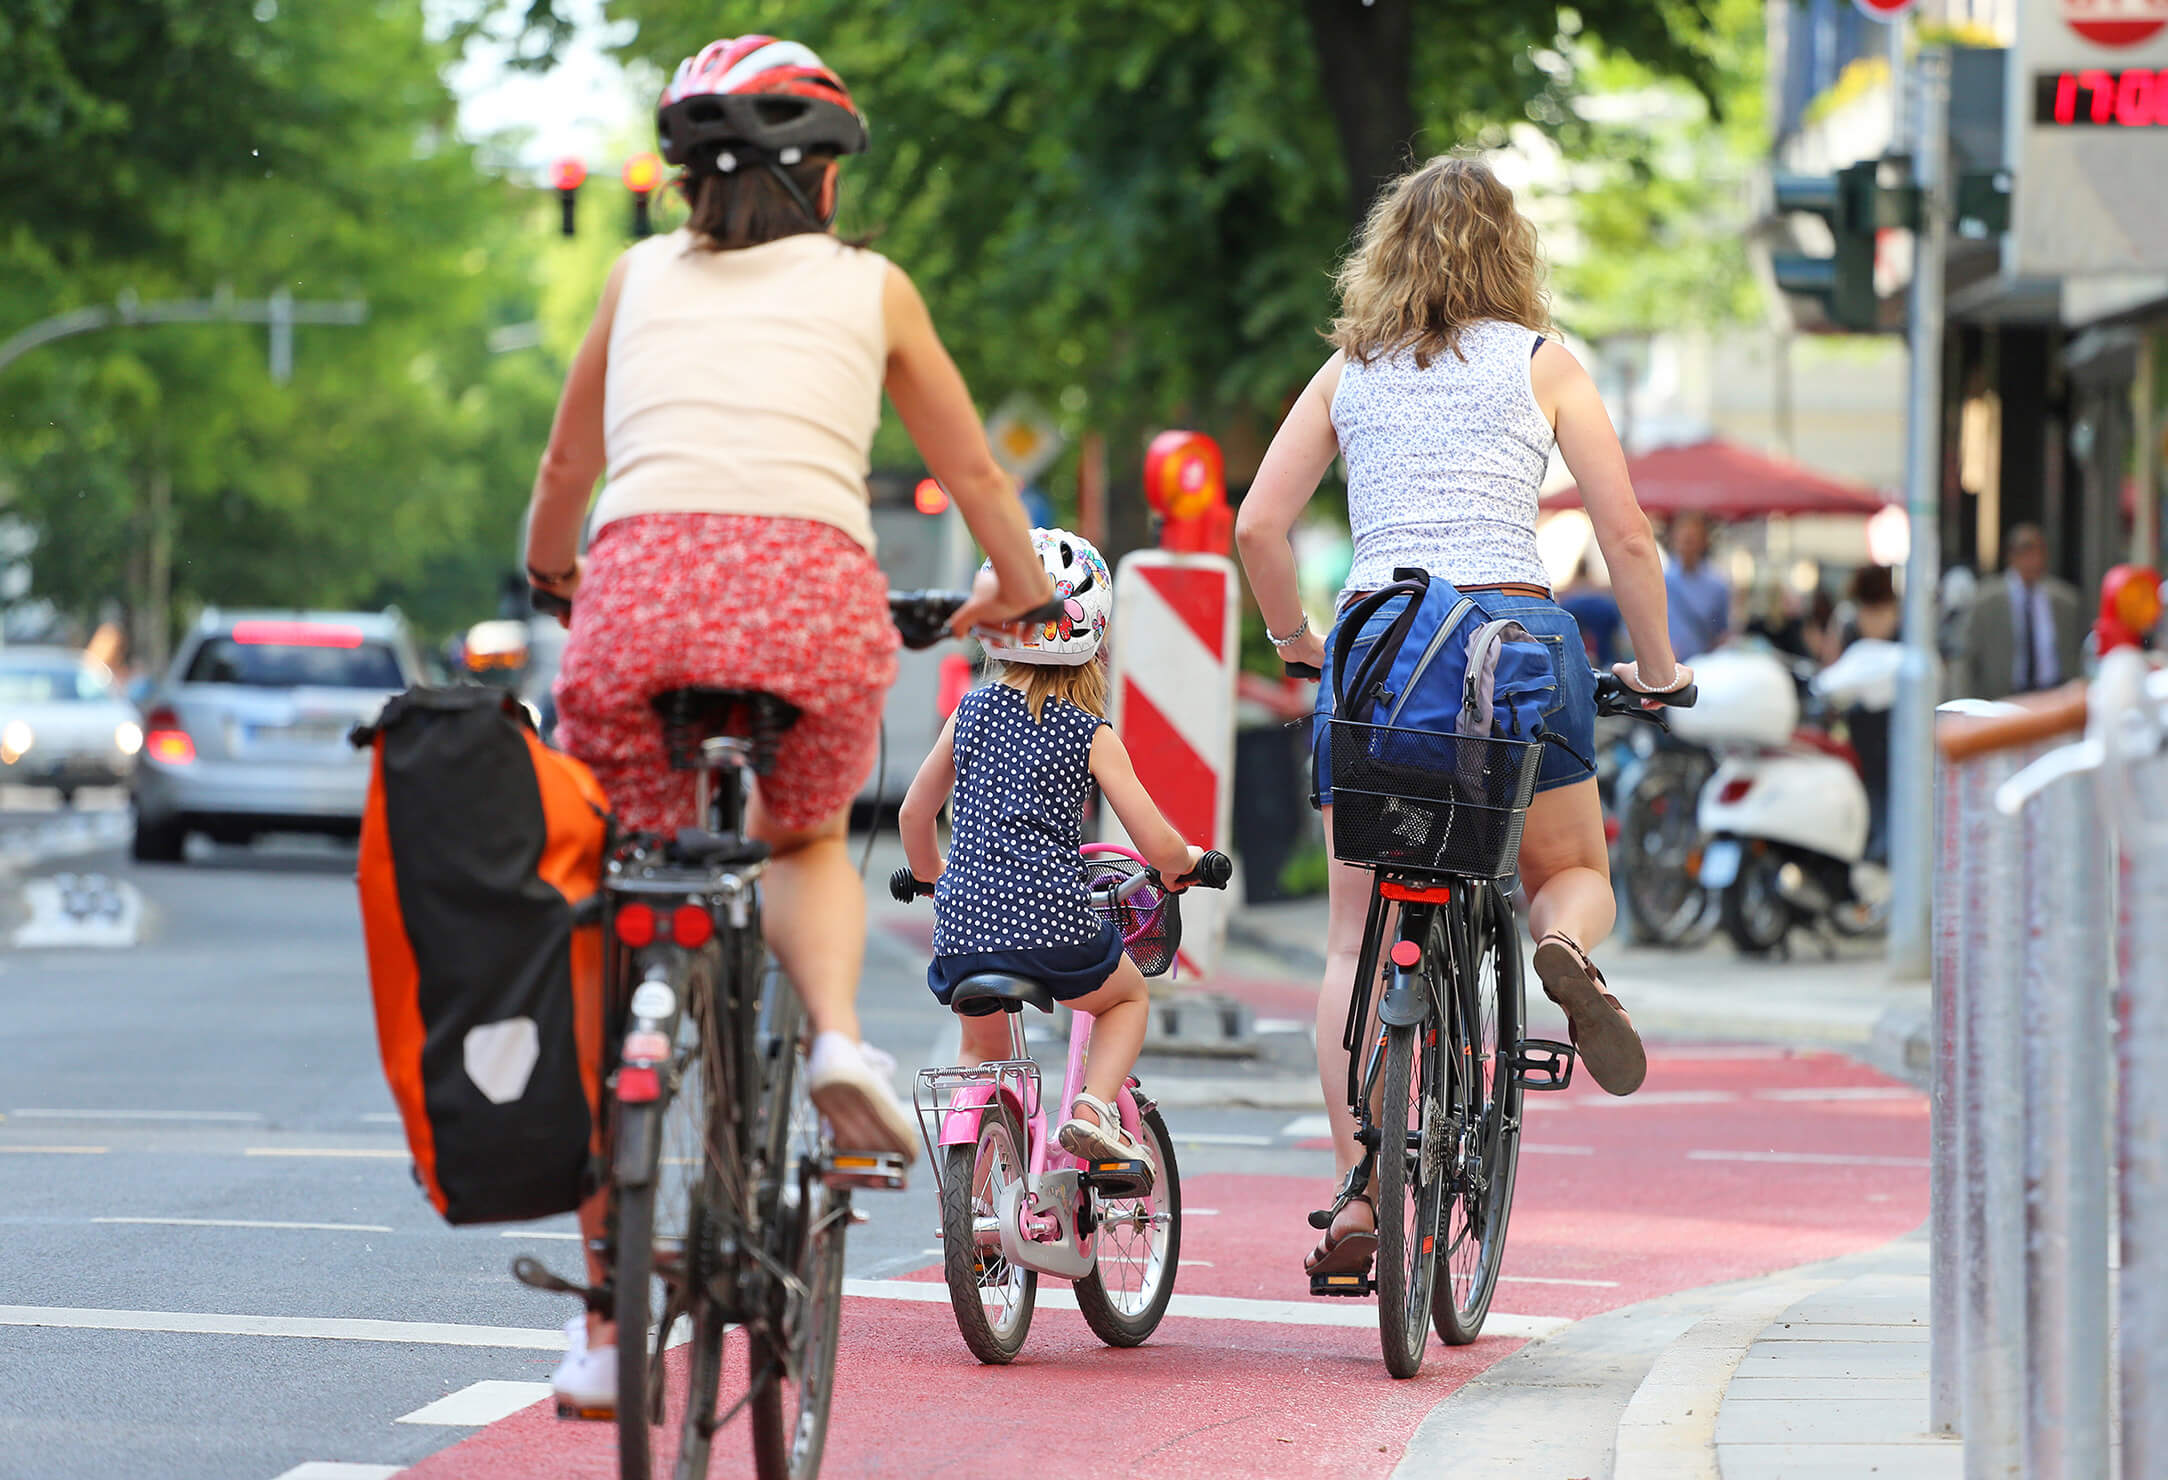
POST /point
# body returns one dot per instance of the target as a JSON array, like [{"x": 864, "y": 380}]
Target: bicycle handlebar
[
  {"x": 1212, "y": 872},
  {"x": 921, "y": 616},
  {"x": 1614, "y": 697}
]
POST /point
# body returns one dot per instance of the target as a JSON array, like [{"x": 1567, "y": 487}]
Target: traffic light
[
  {"x": 1843, "y": 281},
  {"x": 566, "y": 175},
  {"x": 643, "y": 172}
]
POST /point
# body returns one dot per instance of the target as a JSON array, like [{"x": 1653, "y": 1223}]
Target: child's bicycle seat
[{"x": 992, "y": 992}]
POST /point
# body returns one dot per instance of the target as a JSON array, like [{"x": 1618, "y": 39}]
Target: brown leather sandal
[
  {"x": 1595, "y": 1021},
  {"x": 1351, "y": 1252}
]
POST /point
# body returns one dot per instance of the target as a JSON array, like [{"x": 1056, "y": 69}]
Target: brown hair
[
  {"x": 1444, "y": 247},
  {"x": 1082, "y": 684},
  {"x": 749, "y": 206}
]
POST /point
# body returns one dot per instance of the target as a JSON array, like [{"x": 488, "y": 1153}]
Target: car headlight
[
  {"x": 15, "y": 741},
  {"x": 127, "y": 737}
]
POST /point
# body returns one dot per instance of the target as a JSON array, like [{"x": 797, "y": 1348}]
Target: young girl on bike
[
  {"x": 731, "y": 385},
  {"x": 1020, "y": 754}
]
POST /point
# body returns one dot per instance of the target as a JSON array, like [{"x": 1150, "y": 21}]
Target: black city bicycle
[
  {"x": 729, "y": 1204},
  {"x": 1437, "y": 1058}
]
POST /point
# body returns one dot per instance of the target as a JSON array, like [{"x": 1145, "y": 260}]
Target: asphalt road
[{"x": 195, "y": 1139}]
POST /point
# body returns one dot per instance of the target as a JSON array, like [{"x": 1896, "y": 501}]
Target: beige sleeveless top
[{"x": 745, "y": 382}]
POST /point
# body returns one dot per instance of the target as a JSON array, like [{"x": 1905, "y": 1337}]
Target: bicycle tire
[
  {"x": 1665, "y": 903},
  {"x": 1124, "y": 1317},
  {"x": 1408, "y": 1200},
  {"x": 633, "y": 1278},
  {"x": 971, "y": 1270},
  {"x": 1483, "y": 1175},
  {"x": 790, "y": 1419},
  {"x": 703, "y": 1380}
]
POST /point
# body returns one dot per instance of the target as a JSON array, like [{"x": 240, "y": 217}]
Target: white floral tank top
[{"x": 1444, "y": 463}]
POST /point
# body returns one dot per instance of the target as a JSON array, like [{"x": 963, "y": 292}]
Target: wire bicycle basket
[
  {"x": 1150, "y": 920},
  {"x": 1429, "y": 801}
]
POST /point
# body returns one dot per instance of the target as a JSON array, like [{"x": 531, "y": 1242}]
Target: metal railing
[{"x": 2051, "y": 844}]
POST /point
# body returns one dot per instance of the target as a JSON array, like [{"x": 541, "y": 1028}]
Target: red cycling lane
[{"x": 1731, "y": 1163}]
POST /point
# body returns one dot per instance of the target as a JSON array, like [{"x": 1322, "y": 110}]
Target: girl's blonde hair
[
  {"x": 1084, "y": 684},
  {"x": 1443, "y": 248}
]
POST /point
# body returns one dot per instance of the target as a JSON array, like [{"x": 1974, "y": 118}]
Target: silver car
[
  {"x": 63, "y": 724},
  {"x": 246, "y": 734}
]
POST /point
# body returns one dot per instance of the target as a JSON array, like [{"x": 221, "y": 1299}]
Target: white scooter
[{"x": 1786, "y": 813}]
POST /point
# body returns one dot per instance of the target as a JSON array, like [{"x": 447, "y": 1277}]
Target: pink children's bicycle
[{"x": 1014, "y": 1205}]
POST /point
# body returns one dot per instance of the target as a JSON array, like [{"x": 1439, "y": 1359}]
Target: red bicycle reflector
[
  {"x": 568, "y": 174},
  {"x": 929, "y": 497},
  {"x": 636, "y": 926},
  {"x": 637, "y": 1085},
  {"x": 691, "y": 926},
  {"x": 1735, "y": 789},
  {"x": 1406, "y": 953},
  {"x": 652, "y": 1046},
  {"x": 295, "y": 634}
]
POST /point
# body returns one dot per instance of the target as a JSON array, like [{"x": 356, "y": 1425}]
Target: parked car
[
  {"x": 63, "y": 722},
  {"x": 246, "y": 733}
]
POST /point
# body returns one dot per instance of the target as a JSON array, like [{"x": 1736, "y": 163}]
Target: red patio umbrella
[{"x": 1726, "y": 481}]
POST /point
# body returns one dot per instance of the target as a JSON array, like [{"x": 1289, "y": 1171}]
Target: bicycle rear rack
[{"x": 939, "y": 1092}]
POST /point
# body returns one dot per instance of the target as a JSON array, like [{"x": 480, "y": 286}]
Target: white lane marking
[
  {"x": 1306, "y": 1127},
  {"x": 1215, "y": 1138},
  {"x": 51, "y": 924},
  {"x": 1283, "y": 1025},
  {"x": 1544, "y": 1279},
  {"x": 1809, "y": 1158},
  {"x": 328, "y": 1328},
  {"x": 382, "y": 1117},
  {"x": 1200, "y": 1212},
  {"x": 247, "y": 1116},
  {"x": 1218, "y": 1308},
  {"x": 334, "y": 1469},
  {"x": 535, "y": 1233},
  {"x": 253, "y": 1223},
  {"x": 1648, "y": 1099},
  {"x": 1719, "y": 1052},
  {"x": 479, "y": 1403},
  {"x": 55, "y": 1150},
  {"x": 1199, "y": 1263},
  {"x": 1840, "y": 1093},
  {"x": 1545, "y": 1148},
  {"x": 384, "y": 1153}
]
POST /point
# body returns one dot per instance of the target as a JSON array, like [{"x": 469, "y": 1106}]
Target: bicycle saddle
[
  {"x": 692, "y": 715},
  {"x": 991, "y": 992}
]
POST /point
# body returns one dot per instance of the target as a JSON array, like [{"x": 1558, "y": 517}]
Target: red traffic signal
[
  {"x": 642, "y": 173},
  {"x": 568, "y": 174}
]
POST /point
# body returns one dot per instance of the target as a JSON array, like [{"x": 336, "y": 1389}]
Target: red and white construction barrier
[{"x": 1175, "y": 659}]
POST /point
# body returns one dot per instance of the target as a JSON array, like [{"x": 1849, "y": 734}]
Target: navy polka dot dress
[{"x": 1012, "y": 897}]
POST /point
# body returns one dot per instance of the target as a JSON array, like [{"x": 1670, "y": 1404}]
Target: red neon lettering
[
  {"x": 2102, "y": 87},
  {"x": 2134, "y": 98},
  {"x": 2066, "y": 97}
]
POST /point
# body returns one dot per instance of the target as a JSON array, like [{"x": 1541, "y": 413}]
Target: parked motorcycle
[{"x": 1786, "y": 811}]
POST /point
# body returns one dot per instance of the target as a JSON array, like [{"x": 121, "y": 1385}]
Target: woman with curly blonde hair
[{"x": 1445, "y": 393}]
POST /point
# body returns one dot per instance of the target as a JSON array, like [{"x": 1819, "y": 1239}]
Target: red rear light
[
  {"x": 296, "y": 634},
  {"x": 691, "y": 926},
  {"x": 636, "y": 926},
  {"x": 638, "y": 1085},
  {"x": 929, "y": 497},
  {"x": 1735, "y": 789},
  {"x": 164, "y": 740}
]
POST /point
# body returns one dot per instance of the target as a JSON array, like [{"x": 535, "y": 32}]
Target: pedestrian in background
[
  {"x": 1871, "y": 613},
  {"x": 2023, "y": 632},
  {"x": 1596, "y": 610},
  {"x": 1700, "y": 599}
]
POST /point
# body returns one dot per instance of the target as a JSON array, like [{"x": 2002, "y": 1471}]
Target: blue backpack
[{"x": 1420, "y": 654}]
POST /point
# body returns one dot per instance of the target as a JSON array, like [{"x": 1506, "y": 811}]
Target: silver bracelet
[{"x": 1292, "y": 637}]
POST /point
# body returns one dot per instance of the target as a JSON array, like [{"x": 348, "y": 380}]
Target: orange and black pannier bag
[{"x": 481, "y": 855}]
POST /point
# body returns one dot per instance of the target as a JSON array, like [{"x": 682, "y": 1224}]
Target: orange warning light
[
  {"x": 1184, "y": 475},
  {"x": 643, "y": 172},
  {"x": 929, "y": 497},
  {"x": 567, "y": 174}
]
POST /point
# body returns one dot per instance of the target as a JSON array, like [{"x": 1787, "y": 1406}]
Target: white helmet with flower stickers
[{"x": 1086, "y": 593}]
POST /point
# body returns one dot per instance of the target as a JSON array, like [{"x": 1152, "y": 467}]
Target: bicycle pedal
[
  {"x": 877, "y": 1169},
  {"x": 590, "y": 1413},
  {"x": 1118, "y": 1178},
  {"x": 1342, "y": 1284},
  {"x": 1543, "y": 1063}
]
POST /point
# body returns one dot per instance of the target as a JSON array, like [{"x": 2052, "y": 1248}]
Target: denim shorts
[
  {"x": 1069, "y": 972},
  {"x": 1571, "y": 715}
]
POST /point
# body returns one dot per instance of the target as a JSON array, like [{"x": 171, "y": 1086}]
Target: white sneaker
[
  {"x": 852, "y": 1087},
  {"x": 585, "y": 1382}
]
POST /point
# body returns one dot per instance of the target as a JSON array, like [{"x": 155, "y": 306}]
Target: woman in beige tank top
[{"x": 730, "y": 383}]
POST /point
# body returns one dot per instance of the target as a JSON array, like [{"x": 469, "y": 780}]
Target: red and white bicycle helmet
[
  {"x": 1086, "y": 593},
  {"x": 765, "y": 96}
]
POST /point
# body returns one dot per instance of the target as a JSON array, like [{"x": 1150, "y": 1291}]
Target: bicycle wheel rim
[
  {"x": 1136, "y": 1251},
  {"x": 999, "y": 1163},
  {"x": 790, "y": 1415},
  {"x": 1485, "y": 1161}
]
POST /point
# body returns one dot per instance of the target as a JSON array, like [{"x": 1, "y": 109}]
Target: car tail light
[
  {"x": 691, "y": 926},
  {"x": 636, "y": 926},
  {"x": 638, "y": 1085},
  {"x": 164, "y": 739},
  {"x": 1735, "y": 790}
]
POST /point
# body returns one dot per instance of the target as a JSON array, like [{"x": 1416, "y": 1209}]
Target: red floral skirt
[{"x": 791, "y": 607}]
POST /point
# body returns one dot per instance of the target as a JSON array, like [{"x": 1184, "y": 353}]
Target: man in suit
[{"x": 2023, "y": 632}]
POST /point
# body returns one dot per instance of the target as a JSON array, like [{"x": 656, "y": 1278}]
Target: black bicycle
[
  {"x": 729, "y": 1204},
  {"x": 1437, "y": 1058}
]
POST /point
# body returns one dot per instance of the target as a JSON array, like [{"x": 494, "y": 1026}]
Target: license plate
[
  {"x": 1720, "y": 863},
  {"x": 306, "y": 732}
]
